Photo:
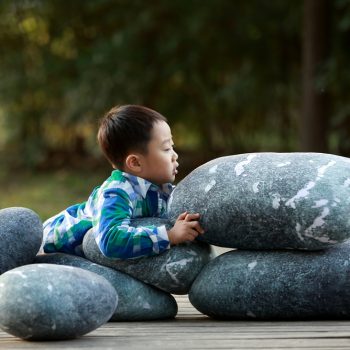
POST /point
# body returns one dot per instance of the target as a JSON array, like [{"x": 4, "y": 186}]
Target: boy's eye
[{"x": 170, "y": 149}]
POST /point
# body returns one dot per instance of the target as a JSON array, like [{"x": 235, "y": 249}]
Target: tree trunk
[{"x": 315, "y": 99}]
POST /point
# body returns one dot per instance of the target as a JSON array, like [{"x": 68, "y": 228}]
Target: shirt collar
[{"x": 142, "y": 186}]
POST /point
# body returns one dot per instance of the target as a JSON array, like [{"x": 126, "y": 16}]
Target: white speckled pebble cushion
[{"x": 269, "y": 200}]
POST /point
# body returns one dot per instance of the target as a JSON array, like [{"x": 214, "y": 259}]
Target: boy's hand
[{"x": 186, "y": 228}]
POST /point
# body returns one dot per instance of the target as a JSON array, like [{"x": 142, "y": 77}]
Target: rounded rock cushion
[
  {"x": 269, "y": 200},
  {"x": 137, "y": 301},
  {"x": 266, "y": 285},
  {"x": 51, "y": 302},
  {"x": 173, "y": 271},
  {"x": 21, "y": 234}
]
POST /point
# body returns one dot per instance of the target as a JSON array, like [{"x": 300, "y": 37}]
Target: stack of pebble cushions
[
  {"x": 45, "y": 301},
  {"x": 285, "y": 214},
  {"x": 59, "y": 296},
  {"x": 288, "y": 215}
]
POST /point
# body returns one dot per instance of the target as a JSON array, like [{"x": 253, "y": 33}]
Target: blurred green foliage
[
  {"x": 227, "y": 74},
  {"x": 48, "y": 193}
]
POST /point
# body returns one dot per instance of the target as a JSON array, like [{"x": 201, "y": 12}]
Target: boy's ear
[{"x": 133, "y": 163}]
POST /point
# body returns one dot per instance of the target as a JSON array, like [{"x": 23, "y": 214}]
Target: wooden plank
[
  {"x": 192, "y": 330},
  {"x": 160, "y": 341},
  {"x": 130, "y": 338}
]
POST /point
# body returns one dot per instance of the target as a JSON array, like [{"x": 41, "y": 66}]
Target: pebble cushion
[
  {"x": 137, "y": 300},
  {"x": 21, "y": 234},
  {"x": 52, "y": 302},
  {"x": 172, "y": 271},
  {"x": 266, "y": 285},
  {"x": 269, "y": 200}
]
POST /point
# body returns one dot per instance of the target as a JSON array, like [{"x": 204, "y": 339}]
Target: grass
[{"x": 48, "y": 193}]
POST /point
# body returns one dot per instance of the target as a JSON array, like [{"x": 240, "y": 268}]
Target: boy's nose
[{"x": 175, "y": 155}]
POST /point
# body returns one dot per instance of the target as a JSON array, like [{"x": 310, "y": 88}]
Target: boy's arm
[{"x": 114, "y": 235}]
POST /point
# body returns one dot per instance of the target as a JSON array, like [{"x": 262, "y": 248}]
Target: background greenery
[{"x": 227, "y": 74}]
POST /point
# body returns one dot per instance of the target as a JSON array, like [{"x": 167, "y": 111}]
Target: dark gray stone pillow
[
  {"x": 172, "y": 271},
  {"x": 269, "y": 200},
  {"x": 267, "y": 285},
  {"x": 21, "y": 234},
  {"x": 137, "y": 301},
  {"x": 51, "y": 302}
]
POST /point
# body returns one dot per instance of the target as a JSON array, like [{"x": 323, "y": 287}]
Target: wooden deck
[{"x": 192, "y": 330}]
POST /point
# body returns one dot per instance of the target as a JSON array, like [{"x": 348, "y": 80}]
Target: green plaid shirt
[{"x": 108, "y": 212}]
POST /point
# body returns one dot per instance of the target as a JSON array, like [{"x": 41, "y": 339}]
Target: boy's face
[{"x": 160, "y": 163}]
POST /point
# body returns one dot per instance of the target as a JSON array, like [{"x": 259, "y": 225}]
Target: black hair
[{"x": 126, "y": 128}]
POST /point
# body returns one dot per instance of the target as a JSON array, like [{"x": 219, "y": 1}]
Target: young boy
[{"x": 138, "y": 143}]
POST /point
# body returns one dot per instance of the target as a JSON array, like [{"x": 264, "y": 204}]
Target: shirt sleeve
[{"x": 114, "y": 235}]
